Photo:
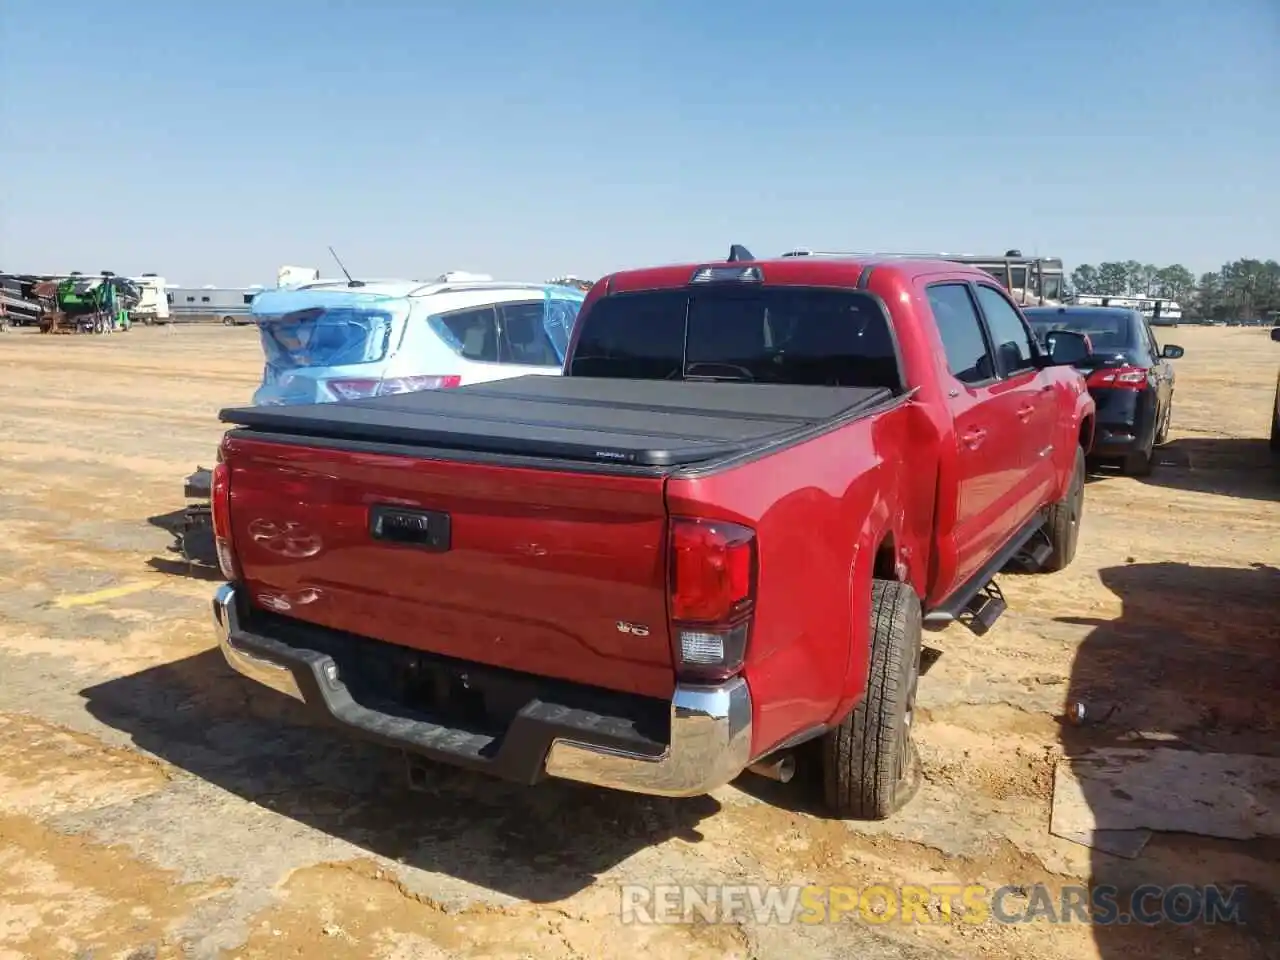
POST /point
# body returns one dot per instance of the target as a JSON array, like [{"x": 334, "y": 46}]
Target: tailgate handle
[{"x": 427, "y": 529}]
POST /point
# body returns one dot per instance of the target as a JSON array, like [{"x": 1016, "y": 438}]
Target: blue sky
[{"x": 221, "y": 140}]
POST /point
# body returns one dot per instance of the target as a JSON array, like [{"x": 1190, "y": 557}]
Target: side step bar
[
  {"x": 982, "y": 612},
  {"x": 1035, "y": 554},
  {"x": 979, "y": 602}
]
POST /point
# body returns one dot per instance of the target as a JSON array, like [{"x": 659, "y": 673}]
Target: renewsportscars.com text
[{"x": 975, "y": 904}]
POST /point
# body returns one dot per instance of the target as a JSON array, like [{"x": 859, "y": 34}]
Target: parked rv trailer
[
  {"x": 293, "y": 276},
  {"x": 18, "y": 301},
  {"x": 226, "y": 305},
  {"x": 1159, "y": 311},
  {"x": 153, "y": 307},
  {"x": 1030, "y": 280}
]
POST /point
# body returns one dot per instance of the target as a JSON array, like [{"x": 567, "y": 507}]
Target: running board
[{"x": 977, "y": 591}]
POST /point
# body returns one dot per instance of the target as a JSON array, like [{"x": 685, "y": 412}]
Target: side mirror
[
  {"x": 1172, "y": 351},
  {"x": 1066, "y": 347},
  {"x": 1275, "y": 334}
]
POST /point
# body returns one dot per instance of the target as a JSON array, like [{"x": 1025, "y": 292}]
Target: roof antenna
[
  {"x": 738, "y": 252},
  {"x": 350, "y": 282}
]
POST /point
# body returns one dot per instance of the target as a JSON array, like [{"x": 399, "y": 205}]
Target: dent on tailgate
[{"x": 540, "y": 566}]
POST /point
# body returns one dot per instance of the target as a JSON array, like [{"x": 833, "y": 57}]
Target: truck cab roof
[{"x": 820, "y": 271}]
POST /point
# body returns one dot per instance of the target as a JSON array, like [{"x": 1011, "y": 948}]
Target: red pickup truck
[{"x": 717, "y": 537}]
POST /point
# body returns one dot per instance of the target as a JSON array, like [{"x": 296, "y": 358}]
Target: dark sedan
[{"x": 1129, "y": 377}]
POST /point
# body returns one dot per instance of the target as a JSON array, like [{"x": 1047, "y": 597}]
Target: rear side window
[
  {"x": 472, "y": 334},
  {"x": 968, "y": 357},
  {"x": 533, "y": 333},
  {"x": 522, "y": 335},
  {"x": 791, "y": 335}
]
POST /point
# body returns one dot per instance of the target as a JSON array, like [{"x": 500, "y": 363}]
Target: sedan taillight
[{"x": 1120, "y": 378}]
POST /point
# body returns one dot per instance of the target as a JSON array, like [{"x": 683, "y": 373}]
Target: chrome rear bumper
[{"x": 709, "y": 743}]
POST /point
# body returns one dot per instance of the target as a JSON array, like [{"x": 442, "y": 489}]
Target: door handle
[
  {"x": 973, "y": 438},
  {"x": 1025, "y": 412}
]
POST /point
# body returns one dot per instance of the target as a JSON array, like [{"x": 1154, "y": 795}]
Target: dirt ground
[{"x": 154, "y": 805}]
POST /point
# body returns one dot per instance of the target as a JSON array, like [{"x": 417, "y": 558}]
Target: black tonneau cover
[{"x": 603, "y": 420}]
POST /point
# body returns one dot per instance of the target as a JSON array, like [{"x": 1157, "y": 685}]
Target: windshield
[
  {"x": 1109, "y": 332},
  {"x": 790, "y": 335},
  {"x": 326, "y": 336}
]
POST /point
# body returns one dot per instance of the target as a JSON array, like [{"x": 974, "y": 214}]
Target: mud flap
[{"x": 195, "y": 536}]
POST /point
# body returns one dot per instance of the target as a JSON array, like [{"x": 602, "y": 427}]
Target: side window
[
  {"x": 968, "y": 357},
  {"x": 1009, "y": 334},
  {"x": 1152, "y": 343},
  {"x": 472, "y": 334},
  {"x": 524, "y": 337}
]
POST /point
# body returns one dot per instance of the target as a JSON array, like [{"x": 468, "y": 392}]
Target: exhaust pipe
[{"x": 781, "y": 768}]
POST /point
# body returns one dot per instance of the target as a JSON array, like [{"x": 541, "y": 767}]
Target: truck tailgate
[{"x": 528, "y": 569}]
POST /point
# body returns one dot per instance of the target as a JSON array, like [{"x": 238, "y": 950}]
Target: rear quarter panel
[
  {"x": 1076, "y": 416},
  {"x": 820, "y": 509}
]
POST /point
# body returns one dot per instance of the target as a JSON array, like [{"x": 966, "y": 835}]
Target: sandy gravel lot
[{"x": 153, "y": 805}]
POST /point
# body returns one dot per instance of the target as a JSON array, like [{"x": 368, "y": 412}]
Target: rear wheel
[
  {"x": 1139, "y": 463},
  {"x": 1062, "y": 526},
  {"x": 1162, "y": 434},
  {"x": 869, "y": 763},
  {"x": 1275, "y": 422},
  {"x": 228, "y": 321}
]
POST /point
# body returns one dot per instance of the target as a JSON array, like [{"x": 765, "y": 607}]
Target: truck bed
[{"x": 602, "y": 420}]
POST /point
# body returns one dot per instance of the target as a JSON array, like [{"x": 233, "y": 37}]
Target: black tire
[
  {"x": 1275, "y": 423},
  {"x": 228, "y": 321},
  {"x": 1162, "y": 433},
  {"x": 1062, "y": 525},
  {"x": 869, "y": 762},
  {"x": 1140, "y": 463}
]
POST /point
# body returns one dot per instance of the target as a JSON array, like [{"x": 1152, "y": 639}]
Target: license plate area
[{"x": 409, "y": 527}]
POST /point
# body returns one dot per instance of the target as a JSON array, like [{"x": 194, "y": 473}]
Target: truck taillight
[
  {"x": 1119, "y": 378},
  {"x": 220, "y": 508},
  {"x": 712, "y": 583}
]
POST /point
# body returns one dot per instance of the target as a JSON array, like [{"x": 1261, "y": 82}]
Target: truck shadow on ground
[
  {"x": 1243, "y": 468},
  {"x": 540, "y": 843},
  {"x": 1193, "y": 663}
]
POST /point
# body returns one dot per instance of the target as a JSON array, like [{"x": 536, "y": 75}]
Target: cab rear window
[{"x": 790, "y": 335}]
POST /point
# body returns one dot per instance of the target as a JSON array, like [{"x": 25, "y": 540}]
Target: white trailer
[
  {"x": 293, "y": 276},
  {"x": 153, "y": 307}
]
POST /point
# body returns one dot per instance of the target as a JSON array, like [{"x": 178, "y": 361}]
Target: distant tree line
[{"x": 1242, "y": 289}]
